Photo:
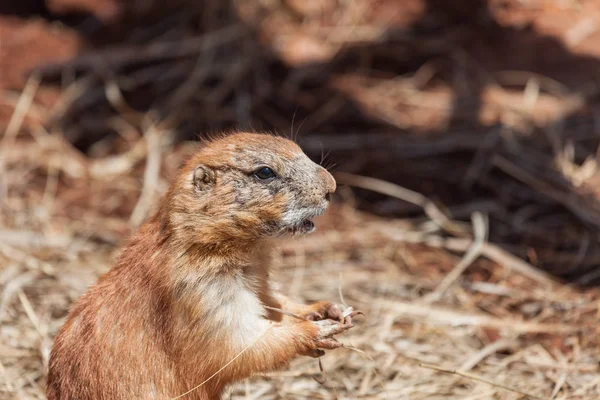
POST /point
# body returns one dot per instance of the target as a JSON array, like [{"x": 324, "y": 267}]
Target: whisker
[
  {"x": 298, "y": 130},
  {"x": 292, "y": 128}
]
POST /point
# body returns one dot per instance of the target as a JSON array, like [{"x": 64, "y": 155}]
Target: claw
[
  {"x": 314, "y": 316},
  {"x": 351, "y": 313},
  {"x": 326, "y": 310},
  {"x": 316, "y": 353},
  {"x": 323, "y": 339},
  {"x": 328, "y": 328}
]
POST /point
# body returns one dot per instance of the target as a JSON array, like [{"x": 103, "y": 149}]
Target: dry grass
[
  {"x": 456, "y": 304},
  {"x": 492, "y": 331}
]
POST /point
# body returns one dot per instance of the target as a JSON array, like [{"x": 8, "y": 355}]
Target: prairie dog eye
[{"x": 265, "y": 173}]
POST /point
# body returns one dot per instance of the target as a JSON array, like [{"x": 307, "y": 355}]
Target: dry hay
[
  {"x": 497, "y": 328},
  {"x": 455, "y": 304}
]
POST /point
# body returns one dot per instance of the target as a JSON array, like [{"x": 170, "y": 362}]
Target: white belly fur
[{"x": 234, "y": 310}]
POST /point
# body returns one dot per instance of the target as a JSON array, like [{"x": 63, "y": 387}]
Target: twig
[
  {"x": 14, "y": 125},
  {"x": 116, "y": 99},
  {"x": 7, "y": 380},
  {"x": 480, "y": 229},
  {"x": 32, "y": 240},
  {"x": 33, "y": 318},
  {"x": 449, "y": 317},
  {"x": 488, "y": 350},
  {"x": 69, "y": 96},
  {"x": 27, "y": 259},
  {"x": 151, "y": 177},
  {"x": 110, "y": 166},
  {"x": 507, "y": 260},
  {"x": 488, "y": 250},
  {"x": 49, "y": 196},
  {"x": 584, "y": 214},
  {"x": 341, "y": 292},
  {"x": 479, "y": 379},
  {"x": 121, "y": 57},
  {"x": 482, "y": 157},
  {"x": 559, "y": 384},
  {"x": 25, "y": 100},
  {"x": 410, "y": 196}
]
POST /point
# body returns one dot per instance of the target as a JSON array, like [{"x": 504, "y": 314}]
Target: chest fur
[{"x": 227, "y": 305}]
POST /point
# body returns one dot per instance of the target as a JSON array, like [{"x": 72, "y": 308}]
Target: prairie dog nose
[{"x": 329, "y": 183}]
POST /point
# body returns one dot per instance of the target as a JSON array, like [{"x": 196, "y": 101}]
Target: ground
[{"x": 474, "y": 253}]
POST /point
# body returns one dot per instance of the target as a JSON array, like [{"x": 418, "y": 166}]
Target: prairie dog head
[{"x": 248, "y": 186}]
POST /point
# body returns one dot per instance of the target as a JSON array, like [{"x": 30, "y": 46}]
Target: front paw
[
  {"x": 325, "y": 310},
  {"x": 322, "y": 338}
]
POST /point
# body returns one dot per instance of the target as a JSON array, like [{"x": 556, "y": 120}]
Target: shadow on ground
[{"x": 243, "y": 83}]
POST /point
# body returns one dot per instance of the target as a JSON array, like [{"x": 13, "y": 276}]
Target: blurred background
[{"x": 464, "y": 136}]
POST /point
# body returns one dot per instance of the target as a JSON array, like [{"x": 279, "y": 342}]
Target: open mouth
[{"x": 304, "y": 227}]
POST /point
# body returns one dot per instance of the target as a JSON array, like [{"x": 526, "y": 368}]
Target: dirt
[{"x": 25, "y": 44}]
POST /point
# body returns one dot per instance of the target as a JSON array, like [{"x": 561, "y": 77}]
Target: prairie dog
[{"x": 190, "y": 291}]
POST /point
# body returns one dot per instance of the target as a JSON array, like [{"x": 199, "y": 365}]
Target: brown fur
[{"x": 180, "y": 302}]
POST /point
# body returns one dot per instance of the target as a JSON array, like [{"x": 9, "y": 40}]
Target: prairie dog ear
[{"x": 203, "y": 177}]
